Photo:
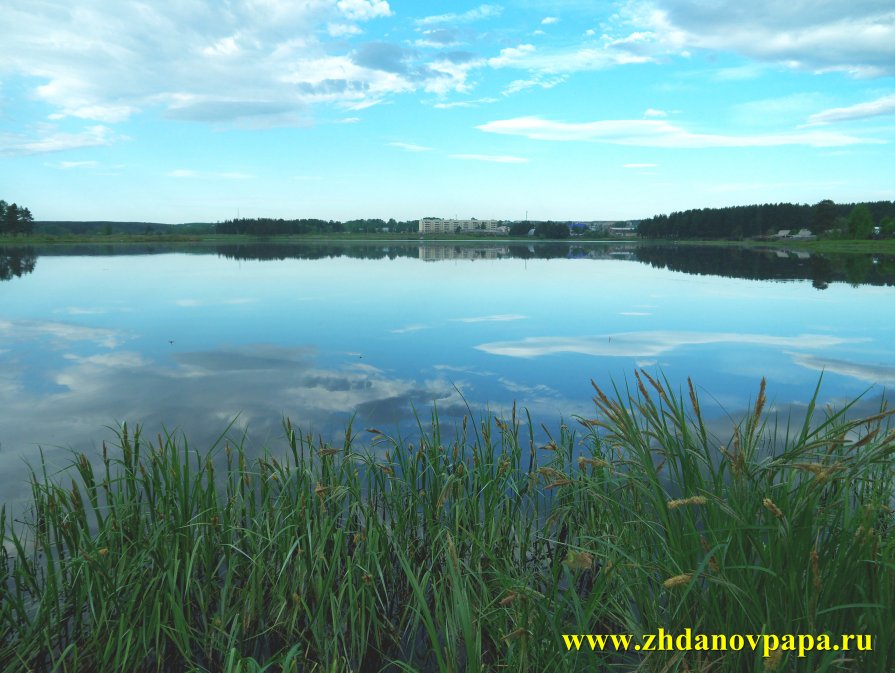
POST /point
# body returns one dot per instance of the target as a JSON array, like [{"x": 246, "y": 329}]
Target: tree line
[
  {"x": 15, "y": 220},
  {"x": 267, "y": 226},
  {"x": 541, "y": 229},
  {"x": 736, "y": 262},
  {"x": 826, "y": 217}
]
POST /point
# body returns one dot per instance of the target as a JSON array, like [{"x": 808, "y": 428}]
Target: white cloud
[
  {"x": 255, "y": 63},
  {"x": 76, "y": 164},
  {"x": 61, "y": 333},
  {"x": 465, "y": 103},
  {"x": 853, "y": 36},
  {"x": 563, "y": 61},
  {"x": 522, "y": 388},
  {"x": 652, "y": 113},
  {"x": 649, "y": 343},
  {"x": 541, "y": 81},
  {"x": 480, "y": 12},
  {"x": 793, "y": 106},
  {"x": 511, "y": 55},
  {"x": 410, "y": 147},
  {"x": 50, "y": 140},
  {"x": 547, "y": 20},
  {"x": 195, "y": 303},
  {"x": 650, "y": 133},
  {"x": 226, "y": 46},
  {"x": 343, "y": 29},
  {"x": 110, "y": 114},
  {"x": 875, "y": 374},
  {"x": 875, "y": 108},
  {"x": 364, "y": 10},
  {"x": 500, "y": 317},
  {"x": 494, "y": 158},
  {"x": 447, "y": 75},
  {"x": 408, "y": 329},
  {"x": 223, "y": 175},
  {"x": 738, "y": 73}
]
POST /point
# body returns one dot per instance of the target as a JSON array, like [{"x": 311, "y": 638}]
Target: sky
[{"x": 205, "y": 110}]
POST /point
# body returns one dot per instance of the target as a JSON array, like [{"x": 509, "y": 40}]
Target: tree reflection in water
[{"x": 15, "y": 262}]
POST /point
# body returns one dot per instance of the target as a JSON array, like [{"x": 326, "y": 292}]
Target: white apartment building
[{"x": 437, "y": 225}]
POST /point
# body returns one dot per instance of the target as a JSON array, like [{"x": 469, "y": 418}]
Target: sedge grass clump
[{"x": 476, "y": 553}]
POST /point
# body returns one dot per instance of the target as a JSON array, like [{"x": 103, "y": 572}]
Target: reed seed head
[
  {"x": 815, "y": 569},
  {"x": 509, "y": 598},
  {"x": 772, "y": 507},
  {"x": 512, "y": 635},
  {"x": 684, "y": 502},
  {"x": 677, "y": 581},
  {"x": 759, "y": 403},
  {"x": 594, "y": 462},
  {"x": 579, "y": 560}
]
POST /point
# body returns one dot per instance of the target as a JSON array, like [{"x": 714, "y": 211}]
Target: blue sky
[{"x": 196, "y": 110}]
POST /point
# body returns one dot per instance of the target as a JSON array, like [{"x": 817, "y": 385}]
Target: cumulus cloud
[
  {"x": 363, "y": 10},
  {"x": 853, "y": 36},
  {"x": 200, "y": 61},
  {"x": 547, "y": 20},
  {"x": 656, "y": 133}
]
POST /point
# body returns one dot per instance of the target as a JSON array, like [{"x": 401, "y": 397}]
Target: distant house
[
  {"x": 804, "y": 234},
  {"x": 783, "y": 233},
  {"x": 437, "y": 225},
  {"x": 624, "y": 231}
]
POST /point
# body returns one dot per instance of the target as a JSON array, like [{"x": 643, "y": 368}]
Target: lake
[{"x": 193, "y": 339}]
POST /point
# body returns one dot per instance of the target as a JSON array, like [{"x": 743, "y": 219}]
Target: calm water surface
[{"x": 190, "y": 339}]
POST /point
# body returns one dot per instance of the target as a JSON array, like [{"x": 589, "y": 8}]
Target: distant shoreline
[{"x": 885, "y": 246}]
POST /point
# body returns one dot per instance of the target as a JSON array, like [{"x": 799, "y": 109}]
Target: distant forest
[{"x": 847, "y": 220}]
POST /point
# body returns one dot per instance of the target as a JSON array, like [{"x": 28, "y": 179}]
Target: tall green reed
[{"x": 472, "y": 553}]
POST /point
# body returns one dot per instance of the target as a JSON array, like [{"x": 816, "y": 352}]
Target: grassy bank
[
  {"x": 68, "y": 239},
  {"x": 825, "y": 245},
  {"x": 470, "y": 550}
]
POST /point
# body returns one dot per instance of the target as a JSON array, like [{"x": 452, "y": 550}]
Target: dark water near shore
[{"x": 190, "y": 338}]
